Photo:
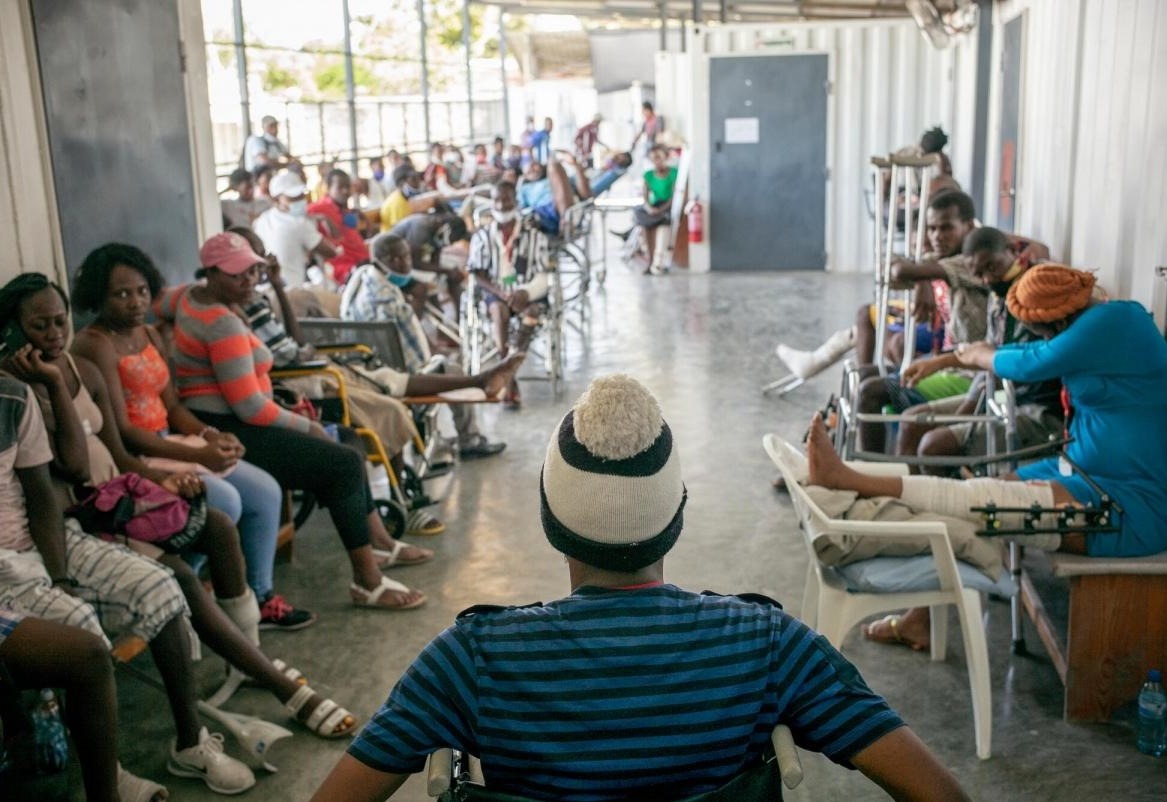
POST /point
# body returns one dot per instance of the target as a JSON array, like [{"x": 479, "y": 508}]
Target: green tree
[{"x": 276, "y": 78}]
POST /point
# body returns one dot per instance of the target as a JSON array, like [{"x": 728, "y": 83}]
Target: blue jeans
[{"x": 252, "y": 499}]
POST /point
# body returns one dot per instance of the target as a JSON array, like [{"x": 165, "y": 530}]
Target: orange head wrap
[{"x": 1046, "y": 293}]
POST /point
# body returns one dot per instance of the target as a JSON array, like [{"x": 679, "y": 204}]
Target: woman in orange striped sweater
[{"x": 221, "y": 372}]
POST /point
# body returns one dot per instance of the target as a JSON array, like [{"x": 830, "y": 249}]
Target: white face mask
[
  {"x": 298, "y": 208},
  {"x": 502, "y": 218}
]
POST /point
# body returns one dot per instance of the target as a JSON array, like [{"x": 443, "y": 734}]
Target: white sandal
[
  {"x": 326, "y": 716},
  {"x": 388, "y": 558},
  {"x": 370, "y": 598},
  {"x": 132, "y": 788}
]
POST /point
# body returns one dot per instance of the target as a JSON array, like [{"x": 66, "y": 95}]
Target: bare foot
[
  {"x": 912, "y": 629},
  {"x": 500, "y": 376},
  {"x": 825, "y": 467}
]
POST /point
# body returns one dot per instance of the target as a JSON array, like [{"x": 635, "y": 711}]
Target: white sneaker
[{"x": 222, "y": 773}]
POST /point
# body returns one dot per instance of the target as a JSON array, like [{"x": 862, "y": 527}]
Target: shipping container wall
[
  {"x": 1092, "y": 171},
  {"x": 888, "y": 85}
]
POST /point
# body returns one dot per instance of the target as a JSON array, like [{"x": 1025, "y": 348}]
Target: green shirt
[{"x": 660, "y": 188}]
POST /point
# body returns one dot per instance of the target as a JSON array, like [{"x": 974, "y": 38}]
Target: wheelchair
[
  {"x": 407, "y": 490},
  {"x": 454, "y": 776},
  {"x": 476, "y": 330}
]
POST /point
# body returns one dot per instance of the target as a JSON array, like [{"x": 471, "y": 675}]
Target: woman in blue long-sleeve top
[{"x": 1112, "y": 362}]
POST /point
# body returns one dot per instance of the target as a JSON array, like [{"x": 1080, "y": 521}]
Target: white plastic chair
[{"x": 833, "y": 609}]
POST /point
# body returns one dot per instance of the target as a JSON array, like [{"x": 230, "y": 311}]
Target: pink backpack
[{"x": 137, "y": 508}]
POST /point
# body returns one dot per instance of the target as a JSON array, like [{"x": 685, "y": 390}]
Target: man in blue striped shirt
[{"x": 629, "y": 688}]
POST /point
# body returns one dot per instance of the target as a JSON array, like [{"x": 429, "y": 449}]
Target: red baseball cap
[{"x": 229, "y": 252}]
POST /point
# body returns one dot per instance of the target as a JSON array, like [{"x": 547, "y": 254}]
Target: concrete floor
[{"x": 704, "y": 345}]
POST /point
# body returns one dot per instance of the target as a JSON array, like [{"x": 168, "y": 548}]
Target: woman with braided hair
[{"x": 1112, "y": 362}]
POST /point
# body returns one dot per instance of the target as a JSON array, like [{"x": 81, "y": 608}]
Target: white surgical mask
[
  {"x": 502, "y": 218},
  {"x": 298, "y": 208}
]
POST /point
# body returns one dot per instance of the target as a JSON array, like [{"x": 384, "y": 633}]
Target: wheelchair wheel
[
  {"x": 392, "y": 515},
  {"x": 574, "y": 271},
  {"x": 412, "y": 488}
]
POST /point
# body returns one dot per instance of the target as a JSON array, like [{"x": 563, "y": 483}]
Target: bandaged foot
[{"x": 805, "y": 364}]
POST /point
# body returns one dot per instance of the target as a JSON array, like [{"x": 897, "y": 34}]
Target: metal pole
[
  {"x": 241, "y": 66},
  {"x": 684, "y": 44},
  {"x": 502, "y": 60},
  {"x": 380, "y": 130},
  {"x": 350, "y": 88},
  {"x": 697, "y": 13},
  {"x": 721, "y": 11},
  {"x": 425, "y": 71},
  {"x": 320, "y": 119},
  {"x": 466, "y": 45},
  {"x": 664, "y": 26}
]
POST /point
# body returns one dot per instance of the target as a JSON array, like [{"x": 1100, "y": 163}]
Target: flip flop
[
  {"x": 389, "y": 558},
  {"x": 895, "y": 639},
  {"x": 370, "y": 598}
]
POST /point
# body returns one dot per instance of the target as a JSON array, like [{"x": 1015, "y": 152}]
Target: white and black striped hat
[{"x": 611, "y": 489}]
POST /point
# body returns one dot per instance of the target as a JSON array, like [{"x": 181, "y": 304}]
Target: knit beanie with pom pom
[{"x": 611, "y": 489}]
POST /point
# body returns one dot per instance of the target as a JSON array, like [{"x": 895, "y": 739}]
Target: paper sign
[{"x": 741, "y": 131}]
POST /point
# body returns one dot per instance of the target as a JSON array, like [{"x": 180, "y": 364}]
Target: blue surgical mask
[
  {"x": 408, "y": 191},
  {"x": 400, "y": 280},
  {"x": 298, "y": 208},
  {"x": 379, "y": 174}
]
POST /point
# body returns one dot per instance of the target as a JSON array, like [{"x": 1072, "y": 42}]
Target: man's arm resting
[
  {"x": 902, "y": 765},
  {"x": 352, "y": 781},
  {"x": 45, "y": 522},
  {"x": 903, "y": 270}
]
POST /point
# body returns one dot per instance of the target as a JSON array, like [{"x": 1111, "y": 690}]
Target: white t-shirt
[
  {"x": 262, "y": 145},
  {"x": 24, "y": 443},
  {"x": 291, "y": 239},
  {"x": 243, "y": 213}
]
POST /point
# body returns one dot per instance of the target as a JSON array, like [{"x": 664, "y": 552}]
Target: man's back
[
  {"x": 608, "y": 693},
  {"x": 291, "y": 239}
]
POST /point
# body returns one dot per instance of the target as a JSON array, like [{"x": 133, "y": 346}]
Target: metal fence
[{"x": 319, "y": 131}]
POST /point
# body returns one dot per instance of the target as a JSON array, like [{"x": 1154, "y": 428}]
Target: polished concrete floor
[{"x": 704, "y": 345}]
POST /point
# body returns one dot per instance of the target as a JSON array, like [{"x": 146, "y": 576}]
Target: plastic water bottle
[
  {"x": 52, "y": 744},
  {"x": 1153, "y": 716}
]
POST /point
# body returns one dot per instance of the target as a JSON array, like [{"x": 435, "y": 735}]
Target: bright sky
[{"x": 291, "y": 23}]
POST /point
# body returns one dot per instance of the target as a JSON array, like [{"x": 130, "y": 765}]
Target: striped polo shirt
[
  {"x": 220, "y": 366},
  {"x": 607, "y": 693}
]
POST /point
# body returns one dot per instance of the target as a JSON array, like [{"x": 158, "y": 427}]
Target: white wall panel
[
  {"x": 888, "y": 85},
  {"x": 30, "y": 241},
  {"x": 1092, "y": 172}
]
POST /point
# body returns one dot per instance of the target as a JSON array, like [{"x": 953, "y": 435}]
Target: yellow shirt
[{"x": 394, "y": 210}]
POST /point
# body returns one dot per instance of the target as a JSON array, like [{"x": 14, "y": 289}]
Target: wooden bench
[{"x": 1117, "y": 629}]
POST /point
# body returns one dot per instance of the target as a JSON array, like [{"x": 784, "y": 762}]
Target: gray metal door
[
  {"x": 1010, "y": 122},
  {"x": 112, "y": 77},
  {"x": 767, "y": 204}
]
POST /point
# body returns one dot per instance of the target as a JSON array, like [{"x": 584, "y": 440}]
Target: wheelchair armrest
[
  {"x": 789, "y": 764},
  {"x": 439, "y": 768},
  {"x": 435, "y": 364},
  {"x": 294, "y": 370}
]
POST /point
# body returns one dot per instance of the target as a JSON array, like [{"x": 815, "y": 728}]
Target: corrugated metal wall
[
  {"x": 1092, "y": 178},
  {"x": 888, "y": 84}
]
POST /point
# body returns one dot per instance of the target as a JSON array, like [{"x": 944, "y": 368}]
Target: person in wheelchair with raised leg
[
  {"x": 510, "y": 261},
  {"x": 629, "y": 688}
]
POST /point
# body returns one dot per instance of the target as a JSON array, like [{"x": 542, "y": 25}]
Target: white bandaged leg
[
  {"x": 244, "y": 613},
  {"x": 956, "y": 498}
]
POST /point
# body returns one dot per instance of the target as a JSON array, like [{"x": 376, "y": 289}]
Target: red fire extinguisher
[{"x": 696, "y": 221}]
